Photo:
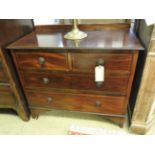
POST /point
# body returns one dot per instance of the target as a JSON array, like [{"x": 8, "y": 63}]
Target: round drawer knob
[
  {"x": 49, "y": 99},
  {"x": 46, "y": 80},
  {"x": 98, "y": 104},
  {"x": 100, "y": 62},
  {"x": 41, "y": 60}
]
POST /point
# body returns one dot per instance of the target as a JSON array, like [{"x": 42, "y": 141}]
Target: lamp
[{"x": 75, "y": 33}]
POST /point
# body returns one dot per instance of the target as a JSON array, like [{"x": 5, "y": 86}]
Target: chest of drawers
[{"x": 56, "y": 74}]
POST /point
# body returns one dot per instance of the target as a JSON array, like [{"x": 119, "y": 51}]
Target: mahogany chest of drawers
[{"x": 59, "y": 74}]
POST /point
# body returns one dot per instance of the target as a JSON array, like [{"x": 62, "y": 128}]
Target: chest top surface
[{"x": 97, "y": 39}]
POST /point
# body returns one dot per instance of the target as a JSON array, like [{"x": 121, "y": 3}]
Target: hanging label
[{"x": 99, "y": 73}]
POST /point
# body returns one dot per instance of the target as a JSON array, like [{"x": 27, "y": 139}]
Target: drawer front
[
  {"x": 41, "y": 60},
  {"x": 7, "y": 99},
  {"x": 86, "y": 62},
  {"x": 114, "y": 84},
  {"x": 77, "y": 102}
]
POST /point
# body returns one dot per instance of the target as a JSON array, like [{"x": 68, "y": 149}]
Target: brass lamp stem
[
  {"x": 75, "y": 34},
  {"x": 75, "y": 23}
]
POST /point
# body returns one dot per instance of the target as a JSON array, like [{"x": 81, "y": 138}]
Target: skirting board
[{"x": 140, "y": 127}]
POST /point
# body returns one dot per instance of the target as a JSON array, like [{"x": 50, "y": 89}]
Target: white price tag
[{"x": 99, "y": 73}]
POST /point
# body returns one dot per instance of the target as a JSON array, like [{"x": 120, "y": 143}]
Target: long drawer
[
  {"x": 114, "y": 84},
  {"x": 78, "y": 102}
]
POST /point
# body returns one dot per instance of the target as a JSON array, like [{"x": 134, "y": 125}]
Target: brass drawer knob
[
  {"x": 46, "y": 80},
  {"x": 100, "y": 62},
  {"x": 98, "y": 104},
  {"x": 49, "y": 99},
  {"x": 41, "y": 60}
]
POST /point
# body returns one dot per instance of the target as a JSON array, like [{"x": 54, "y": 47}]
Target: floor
[{"x": 59, "y": 123}]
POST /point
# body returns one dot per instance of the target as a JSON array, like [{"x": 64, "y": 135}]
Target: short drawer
[
  {"x": 113, "y": 84},
  {"x": 41, "y": 60},
  {"x": 113, "y": 61},
  {"x": 78, "y": 102}
]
